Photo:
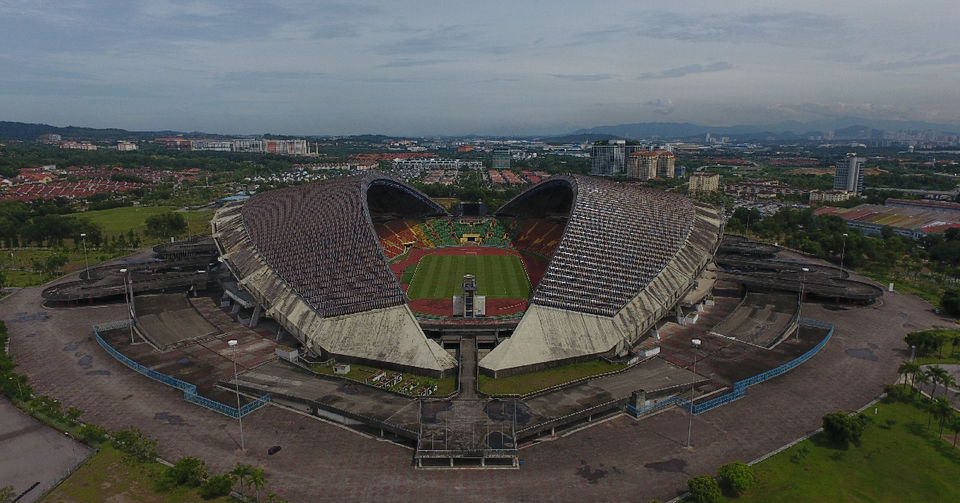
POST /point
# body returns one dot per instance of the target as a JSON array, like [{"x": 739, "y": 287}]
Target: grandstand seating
[{"x": 616, "y": 240}]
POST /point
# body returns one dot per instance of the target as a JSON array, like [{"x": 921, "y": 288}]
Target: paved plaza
[
  {"x": 35, "y": 458},
  {"x": 617, "y": 460}
]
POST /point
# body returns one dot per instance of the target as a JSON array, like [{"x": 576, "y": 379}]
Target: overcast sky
[{"x": 517, "y": 67}]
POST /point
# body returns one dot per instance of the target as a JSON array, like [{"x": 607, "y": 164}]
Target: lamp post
[
  {"x": 842, "y": 250},
  {"x": 128, "y": 296},
  {"x": 696, "y": 346},
  {"x": 86, "y": 263},
  {"x": 233, "y": 345},
  {"x": 803, "y": 274}
]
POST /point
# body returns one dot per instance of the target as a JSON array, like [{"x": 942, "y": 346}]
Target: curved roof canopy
[{"x": 319, "y": 239}]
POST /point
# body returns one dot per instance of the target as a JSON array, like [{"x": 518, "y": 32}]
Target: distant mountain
[{"x": 841, "y": 128}]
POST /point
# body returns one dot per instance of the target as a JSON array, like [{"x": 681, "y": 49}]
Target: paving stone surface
[
  {"x": 618, "y": 460},
  {"x": 34, "y": 457}
]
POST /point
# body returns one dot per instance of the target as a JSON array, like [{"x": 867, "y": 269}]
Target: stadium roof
[
  {"x": 628, "y": 254},
  {"x": 310, "y": 256}
]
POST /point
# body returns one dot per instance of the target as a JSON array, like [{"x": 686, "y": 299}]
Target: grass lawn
[
  {"x": 898, "y": 460},
  {"x": 534, "y": 381},
  {"x": 411, "y": 384},
  {"x": 120, "y": 220},
  {"x": 106, "y": 476},
  {"x": 498, "y": 276},
  {"x": 925, "y": 288},
  {"x": 18, "y": 266}
]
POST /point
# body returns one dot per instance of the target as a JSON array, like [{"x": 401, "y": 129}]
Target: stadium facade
[{"x": 311, "y": 258}]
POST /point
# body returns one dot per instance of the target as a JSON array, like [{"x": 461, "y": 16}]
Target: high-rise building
[
  {"x": 665, "y": 163},
  {"x": 849, "y": 174},
  {"x": 643, "y": 165},
  {"x": 611, "y": 159}
]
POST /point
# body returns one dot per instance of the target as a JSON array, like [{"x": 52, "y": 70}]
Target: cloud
[
  {"x": 594, "y": 36},
  {"x": 455, "y": 38},
  {"x": 660, "y": 106},
  {"x": 784, "y": 28},
  {"x": 408, "y": 62},
  {"x": 587, "y": 77},
  {"x": 681, "y": 71},
  {"x": 915, "y": 62}
]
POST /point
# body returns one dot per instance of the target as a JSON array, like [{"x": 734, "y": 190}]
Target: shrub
[
  {"x": 842, "y": 429},
  {"x": 703, "y": 489},
  {"x": 188, "y": 471},
  {"x": 218, "y": 485},
  {"x": 135, "y": 445},
  {"x": 735, "y": 478},
  {"x": 93, "y": 433}
]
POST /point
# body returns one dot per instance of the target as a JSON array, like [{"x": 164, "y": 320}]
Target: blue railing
[
  {"x": 189, "y": 389},
  {"x": 740, "y": 387}
]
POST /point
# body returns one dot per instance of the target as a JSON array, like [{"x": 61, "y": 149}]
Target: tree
[
  {"x": 843, "y": 429},
  {"x": 257, "y": 480},
  {"x": 135, "y": 445},
  {"x": 926, "y": 341},
  {"x": 950, "y": 302},
  {"x": 703, "y": 489},
  {"x": 242, "y": 472},
  {"x": 954, "y": 425},
  {"x": 947, "y": 381},
  {"x": 216, "y": 486},
  {"x": 166, "y": 224},
  {"x": 920, "y": 378},
  {"x": 937, "y": 375},
  {"x": 941, "y": 408},
  {"x": 188, "y": 471},
  {"x": 735, "y": 478},
  {"x": 53, "y": 263},
  {"x": 908, "y": 369}
]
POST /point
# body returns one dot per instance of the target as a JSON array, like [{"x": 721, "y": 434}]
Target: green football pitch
[{"x": 498, "y": 276}]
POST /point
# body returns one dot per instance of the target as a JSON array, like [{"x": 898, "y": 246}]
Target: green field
[
  {"x": 498, "y": 276},
  {"x": 899, "y": 459},
  {"x": 121, "y": 220}
]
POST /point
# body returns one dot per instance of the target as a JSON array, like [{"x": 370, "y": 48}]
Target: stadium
[{"x": 368, "y": 269}]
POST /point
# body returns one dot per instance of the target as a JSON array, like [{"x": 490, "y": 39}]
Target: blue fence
[
  {"x": 189, "y": 390},
  {"x": 740, "y": 387}
]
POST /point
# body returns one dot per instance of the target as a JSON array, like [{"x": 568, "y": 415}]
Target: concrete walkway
[{"x": 618, "y": 460}]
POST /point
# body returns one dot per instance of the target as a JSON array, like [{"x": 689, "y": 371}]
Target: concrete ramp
[{"x": 168, "y": 320}]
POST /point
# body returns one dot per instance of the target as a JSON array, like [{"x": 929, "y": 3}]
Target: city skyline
[{"x": 496, "y": 68}]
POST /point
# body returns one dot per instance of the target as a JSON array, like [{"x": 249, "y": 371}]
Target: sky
[{"x": 455, "y": 68}]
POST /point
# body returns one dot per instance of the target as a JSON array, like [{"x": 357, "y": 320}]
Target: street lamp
[
  {"x": 696, "y": 345},
  {"x": 803, "y": 273},
  {"x": 842, "y": 250},
  {"x": 236, "y": 382},
  {"x": 86, "y": 263},
  {"x": 128, "y": 296}
]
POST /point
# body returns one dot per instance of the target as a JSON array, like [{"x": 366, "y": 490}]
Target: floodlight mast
[
  {"x": 696, "y": 346},
  {"x": 236, "y": 382}
]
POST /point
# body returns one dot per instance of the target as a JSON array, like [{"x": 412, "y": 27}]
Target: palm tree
[
  {"x": 948, "y": 380},
  {"x": 937, "y": 375},
  {"x": 943, "y": 410},
  {"x": 257, "y": 480},
  {"x": 242, "y": 472},
  {"x": 954, "y": 425},
  {"x": 908, "y": 368},
  {"x": 920, "y": 378}
]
